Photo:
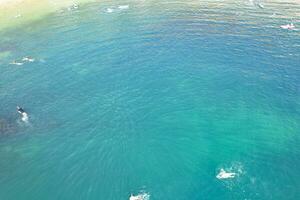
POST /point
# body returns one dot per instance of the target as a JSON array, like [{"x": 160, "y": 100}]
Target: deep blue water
[{"x": 155, "y": 99}]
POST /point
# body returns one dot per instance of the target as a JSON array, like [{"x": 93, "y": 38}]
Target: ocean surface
[{"x": 153, "y": 98}]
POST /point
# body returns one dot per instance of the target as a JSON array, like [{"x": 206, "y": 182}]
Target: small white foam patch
[
  {"x": 28, "y": 59},
  {"x": 25, "y": 117},
  {"x": 235, "y": 170},
  {"x": 123, "y": 7},
  {"x": 225, "y": 175},
  {"x": 16, "y": 63},
  {"x": 118, "y": 8},
  {"x": 141, "y": 196},
  {"x": 109, "y": 10},
  {"x": 288, "y": 26},
  {"x": 22, "y": 61}
]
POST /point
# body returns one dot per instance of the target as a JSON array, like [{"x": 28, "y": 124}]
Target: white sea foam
[
  {"x": 23, "y": 61},
  {"x": 141, "y": 196},
  {"x": 116, "y": 8},
  {"x": 16, "y": 63},
  {"x": 123, "y": 7},
  {"x": 109, "y": 10},
  {"x": 28, "y": 59},
  {"x": 230, "y": 172},
  {"x": 225, "y": 175},
  {"x": 25, "y": 117},
  {"x": 290, "y": 26}
]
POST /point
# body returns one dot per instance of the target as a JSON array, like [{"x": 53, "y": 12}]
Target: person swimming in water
[{"x": 22, "y": 112}]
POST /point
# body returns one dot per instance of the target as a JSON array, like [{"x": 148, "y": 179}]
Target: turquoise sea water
[{"x": 155, "y": 98}]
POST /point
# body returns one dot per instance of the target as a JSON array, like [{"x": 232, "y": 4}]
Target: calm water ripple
[{"x": 153, "y": 99}]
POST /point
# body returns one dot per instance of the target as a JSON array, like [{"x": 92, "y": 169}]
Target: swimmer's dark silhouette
[{"x": 20, "y": 110}]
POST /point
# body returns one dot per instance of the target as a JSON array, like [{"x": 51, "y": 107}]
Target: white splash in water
[
  {"x": 23, "y": 61},
  {"x": 28, "y": 59},
  {"x": 225, "y": 175},
  {"x": 142, "y": 196},
  {"x": 290, "y": 26},
  {"x": 123, "y": 7},
  {"x": 233, "y": 171},
  {"x": 16, "y": 63},
  {"x": 25, "y": 117},
  {"x": 109, "y": 10}
]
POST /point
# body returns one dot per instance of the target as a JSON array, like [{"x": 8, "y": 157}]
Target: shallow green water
[{"x": 155, "y": 98}]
